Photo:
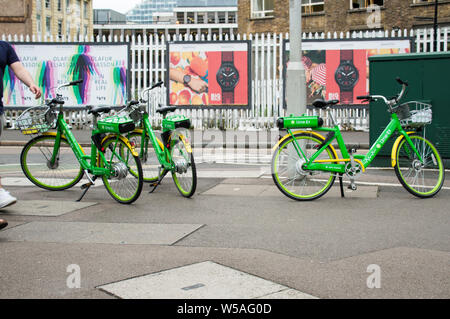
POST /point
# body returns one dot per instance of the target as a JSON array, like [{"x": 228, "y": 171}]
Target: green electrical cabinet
[{"x": 428, "y": 75}]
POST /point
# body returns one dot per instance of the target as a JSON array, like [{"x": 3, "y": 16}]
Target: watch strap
[
  {"x": 227, "y": 56},
  {"x": 228, "y": 97},
  {"x": 346, "y": 97},
  {"x": 346, "y": 55}
]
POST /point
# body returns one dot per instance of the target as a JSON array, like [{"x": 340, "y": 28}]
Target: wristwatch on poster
[
  {"x": 227, "y": 77},
  {"x": 346, "y": 76},
  {"x": 186, "y": 79}
]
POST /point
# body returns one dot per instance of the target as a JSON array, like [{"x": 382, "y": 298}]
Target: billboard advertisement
[
  {"x": 103, "y": 69},
  {"x": 339, "y": 69},
  {"x": 209, "y": 74}
]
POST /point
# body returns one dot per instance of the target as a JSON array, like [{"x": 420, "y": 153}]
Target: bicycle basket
[
  {"x": 36, "y": 120},
  {"x": 415, "y": 114},
  {"x": 135, "y": 115}
]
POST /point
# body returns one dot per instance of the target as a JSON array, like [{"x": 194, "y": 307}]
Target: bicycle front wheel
[
  {"x": 288, "y": 173},
  {"x": 185, "y": 173},
  {"x": 422, "y": 179},
  {"x": 125, "y": 181},
  {"x": 36, "y": 161}
]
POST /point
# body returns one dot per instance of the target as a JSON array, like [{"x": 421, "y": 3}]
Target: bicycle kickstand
[
  {"x": 87, "y": 186},
  {"x": 157, "y": 183},
  {"x": 341, "y": 184}
]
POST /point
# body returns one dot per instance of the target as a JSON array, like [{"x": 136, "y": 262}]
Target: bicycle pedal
[{"x": 352, "y": 187}]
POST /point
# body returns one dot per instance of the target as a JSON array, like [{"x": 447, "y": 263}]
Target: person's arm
[
  {"x": 195, "y": 84},
  {"x": 24, "y": 76}
]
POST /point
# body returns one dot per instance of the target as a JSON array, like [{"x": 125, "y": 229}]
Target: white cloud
[{"x": 117, "y": 5}]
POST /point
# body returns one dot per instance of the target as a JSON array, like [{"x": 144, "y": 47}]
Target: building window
[
  {"x": 222, "y": 18},
  {"x": 38, "y": 5},
  {"x": 48, "y": 4},
  {"x": 60, "y": 29},
  {"x": 48, "y": 26},
  {"x": 312, "y": 6},
  {"x": 180, "y": 17},
  {"x": 67, "y": 6},
  {"x": 201, "y": 17},
  {"x": 190, "y": 18},
  {"x": 211, "y": 17},
  {"x": 362, "y": 4},
  {"x": 231, "y": 17},
  {"x": 38, "y": 24},
  {"x": 85, "y": 10},
  {"x": 262, "y": 8}
]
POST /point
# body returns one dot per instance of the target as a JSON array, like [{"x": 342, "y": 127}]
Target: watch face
[
  {"x": 227, "y": 77},
  {"x": 346, "y": 76}
]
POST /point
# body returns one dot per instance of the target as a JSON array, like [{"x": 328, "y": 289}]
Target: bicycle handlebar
[
  {"x": 158, "y": 84},
  {"x": 390, "y": 102}
]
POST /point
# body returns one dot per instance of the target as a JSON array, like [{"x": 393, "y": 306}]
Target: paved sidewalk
[{"x": 206, "y": 139}]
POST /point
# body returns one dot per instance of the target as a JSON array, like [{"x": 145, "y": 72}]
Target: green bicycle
[
  {"x": 305, "y": 164},
  {"x": 55, "y": 161},
  {"x": 172, "y": 154}
]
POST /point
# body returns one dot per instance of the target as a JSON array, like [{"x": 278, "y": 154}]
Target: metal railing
[{"x": 148, "y": 66}]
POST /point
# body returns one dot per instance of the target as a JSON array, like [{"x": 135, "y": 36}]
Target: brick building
[
  {"x": 340, "y": 15},
  {"x": 46, "y": 17}
]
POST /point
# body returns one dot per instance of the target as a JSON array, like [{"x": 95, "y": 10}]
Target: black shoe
[{"x": 3, "y": 223}]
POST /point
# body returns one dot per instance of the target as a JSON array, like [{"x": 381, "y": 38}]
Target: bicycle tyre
[
  {"x": 409, "y": 173},
  {"x": 299, "y": 190},
  {"x": 122, "y": 185},
  {"x": 149, "y": 159},
  {"x": 58, "y": 178},
  {"x": 184, "y": 174}
]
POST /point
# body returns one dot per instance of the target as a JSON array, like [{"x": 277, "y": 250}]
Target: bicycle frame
[
  {"x": 162, "y": 152},
  {"x": 328, "y": 165},
  {"x": 87, "y": 162}
]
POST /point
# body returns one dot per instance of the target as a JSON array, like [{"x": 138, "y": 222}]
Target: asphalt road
[{"x": 323, "y": 248}]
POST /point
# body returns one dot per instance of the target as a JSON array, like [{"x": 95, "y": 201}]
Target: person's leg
[
  {"x": 3, "y": 223},
  {"x": 5, "y": 197}
]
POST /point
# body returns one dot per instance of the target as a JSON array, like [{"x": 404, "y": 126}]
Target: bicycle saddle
[
  {"x": 132, "y": 103},
  {"x": 97, "y": 110},
  {"x": 166, "y": 109},
  {"x": 321, "y": 104}
]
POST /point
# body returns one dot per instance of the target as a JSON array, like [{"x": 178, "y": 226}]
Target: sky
[{"x": 118, "y": 5}]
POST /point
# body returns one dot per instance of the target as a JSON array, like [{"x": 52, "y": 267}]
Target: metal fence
[{"x": 148, "y": 66}]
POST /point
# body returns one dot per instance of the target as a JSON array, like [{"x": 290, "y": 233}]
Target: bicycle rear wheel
[
  {"x": 425, "y": 179},
  {"x": 185, "y": 173},
  {"x": 125, "y": 182},
  {"x": 288, "y": 174},
  {"x": 149, "y": 159},
  {"x": 35, "y": 160}
]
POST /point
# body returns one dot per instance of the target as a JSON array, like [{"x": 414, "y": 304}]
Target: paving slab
[
  {"x": 100, "y": 233},
  {"x": 205, "y": 280},
  {"x": 45, "y": 208}
]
